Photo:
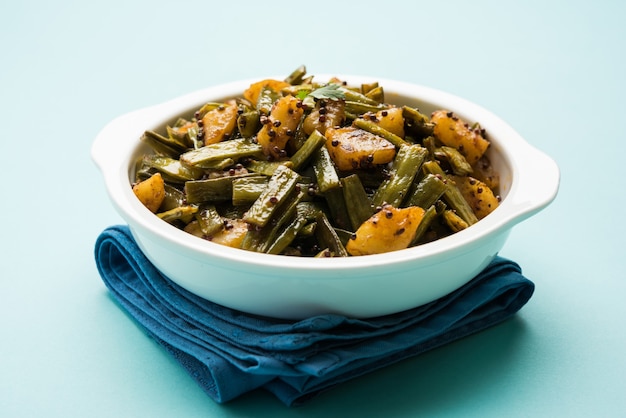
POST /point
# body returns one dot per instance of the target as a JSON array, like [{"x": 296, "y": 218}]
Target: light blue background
[{"x": 553, "y": 69}]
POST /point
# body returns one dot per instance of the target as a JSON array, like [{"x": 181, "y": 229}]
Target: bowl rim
[{"x": 535, "y": 178}]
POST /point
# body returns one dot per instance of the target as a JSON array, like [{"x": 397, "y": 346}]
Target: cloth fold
[{"x": 229, "y": 353}]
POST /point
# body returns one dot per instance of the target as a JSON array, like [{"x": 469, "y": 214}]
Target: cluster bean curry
[{"x": 321, "y": 169}]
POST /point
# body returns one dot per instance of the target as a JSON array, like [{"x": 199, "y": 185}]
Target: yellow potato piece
[
  {"x": 232, "y": 234},
  {"x": 151, "y": 192},
  {"x": 283, "y": 122},
  {"x": 219, "y": 123},
  {"x": 480, "y": 197},
  {"x": 351, "y": 148},
  {"x": 392, "y": 120},
  {"x": 453, "y": 132},
  {"x": 333, "y": 115},
  {"x": 390, "y": 229}
]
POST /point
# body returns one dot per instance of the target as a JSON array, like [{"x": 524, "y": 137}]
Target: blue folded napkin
[{"x": 230, "y": 353}]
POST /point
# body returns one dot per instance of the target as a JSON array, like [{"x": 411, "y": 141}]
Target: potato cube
[
  {"x": 352, "y": 148},
  {"x": 232, "y": 234},
  {"x": 390, "y": 229},
  {"x": 151, "y": 192},
  {"x": 282, "y": 123},
  {"x": 453, "y": 132},
  {"x": 479, "y": 196},
  {"x": 219, "y": 123},
  {"x": 392, "y": 120}
]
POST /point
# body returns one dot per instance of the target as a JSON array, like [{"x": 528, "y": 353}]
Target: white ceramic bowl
[{"x": 297, "y": 287}]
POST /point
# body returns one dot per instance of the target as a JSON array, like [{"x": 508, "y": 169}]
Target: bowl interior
[{"x": 423, "y": 98}]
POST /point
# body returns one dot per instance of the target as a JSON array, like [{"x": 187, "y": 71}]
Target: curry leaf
[{"x": 329, "y": 91}]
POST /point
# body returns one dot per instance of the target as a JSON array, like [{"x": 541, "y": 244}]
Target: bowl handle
[
  {"x": 538, "y": 183},
  {"x": 111, "y": 142}
]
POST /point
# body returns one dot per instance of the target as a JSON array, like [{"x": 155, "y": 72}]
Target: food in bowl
[
  {"x": 303, "y": 167},
  {"x": 300, "y": 287}
]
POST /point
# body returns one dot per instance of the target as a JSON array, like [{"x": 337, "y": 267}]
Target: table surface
[{"x": 553, "y": 70}]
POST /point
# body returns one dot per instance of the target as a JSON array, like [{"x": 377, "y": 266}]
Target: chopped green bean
[
  {"x": 174, "y": 198},
  {"x": 353, "y": 96},
  {"x": 160, "y": 147},
  {"x": 454, "y": 221},
  {"x": 417, "y": 123},
  {"x": 425, "y": 193},
  {"x": 286, "y": 235},
  {"x": 173, "y": 169},
  {"x": 429, "y": 216},
  {"x": 357, "y": 108},
  {"x": 337, "y": 208},
  {"x": 179, "y": 137},
  {"x": 248, "y": 189},
  {"x": 264, "y": 167},
  {"x": 182, "y": 213},
  {"x": 218, "y": 189},
  {"x": 308, "y": 230},
  {"x": 168, "y": 141},
  {"x": 358, "y": 204},
  {"x": 325, "y": 172},
  {"x": 309, "y": 210},
  {"x": 377, "y": 94},
  {"x": 456, "y": 160},
  {"x": 405, "y": 166},
  {"x": 282, "y": 182},
  {"x": 218, "y": 164},
  {"x": 209, "y": 220},
  {"x": 367, "y": 87},
  {"x": 248, "y": 123},
  {"x": 260, "y": 238},
  {"x": 327, "y": 236},
  {"x": 233, "y": 149},
  {"x": 296, "y": 75},
  {"x": 266, "y": 99},
  {"x": 305, "y": 153},
  {"x": 452, "y": 195}
]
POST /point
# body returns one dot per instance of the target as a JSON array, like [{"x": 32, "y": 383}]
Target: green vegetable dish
[{"x": 320, "y": 169}]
